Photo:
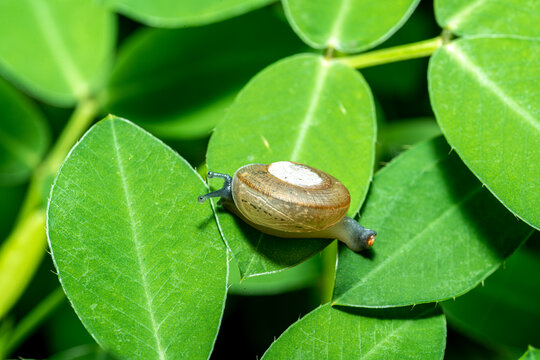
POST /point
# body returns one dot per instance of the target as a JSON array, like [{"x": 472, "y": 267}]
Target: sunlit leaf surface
[
  {"x": 302, "y": 109},
  {"x": 140, "y": 260}
]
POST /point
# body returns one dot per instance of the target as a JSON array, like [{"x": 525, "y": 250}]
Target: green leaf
[
  {"x": 439, "y": 233},
  {"x": 83, "y": 352},
  {"x": 24, "y": 136},
  {"x": 59, "y": 51},
  {"x": 397, "y": 136},
  {"x": 531, "y": 354},
  {"x": 330, "y": 333},
  {"x": 302, "y": 109},
  {"x": 167, "y": 13},
  {"x": 475, "y": 17},
  {"x": 301, "y": 276},
  {"x": 484, "y": 92},
  {"x": 171, "y": 83},
  {"x": 140, "y": 260},
  {"x": 347, "y": 25},
  {"x": 505, "y": 311}
]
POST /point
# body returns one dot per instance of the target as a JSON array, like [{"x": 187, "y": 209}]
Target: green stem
[
  {"x": 31, "y": 321},
  {"x": 329, "y": 272},
  {"x": 393, "y": 54},
  {"x": 79, "y": 121}
]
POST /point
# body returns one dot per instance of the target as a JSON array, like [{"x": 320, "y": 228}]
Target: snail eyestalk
[
  {"x": 224, "y": 192},
  {"x": 354, "y": 235}
]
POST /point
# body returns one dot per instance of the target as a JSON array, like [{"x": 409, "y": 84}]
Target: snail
[{"x": 292, "y": 200}]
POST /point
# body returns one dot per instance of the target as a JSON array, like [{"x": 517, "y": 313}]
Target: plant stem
[
  {"x": 393, "y": 54},
  {"x": 329, "y": 272},
  {"x": 23, "y": 249},
  {"x": 79, "y": 121},
  {"x": 34, "y": 319}
]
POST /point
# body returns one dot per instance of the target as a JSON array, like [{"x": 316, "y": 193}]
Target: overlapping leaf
[
  {"x": 172, "y": 83},
  {"x": 503, "y": 312},
  {"x": 140, "y": 260},
  {"x": 347, "y": 25},
  {"x": 59, "y": 51},
  {"x": 439, "y": 233},
  {"x": 484, "y": 92},
  {"x": 302, "y": 109},
  {"x": 24, "y": 136},
  {"x": 168, "y": 13},
  {"x": 474, "y": 17},
  {"x": 330, "y": 333}
]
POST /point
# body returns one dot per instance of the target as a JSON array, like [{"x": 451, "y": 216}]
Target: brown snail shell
[{"x": 290, "y": 205}]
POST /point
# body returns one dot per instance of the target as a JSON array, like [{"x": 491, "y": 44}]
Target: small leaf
[
  {"x": 505, "y": 310},
  {"x": 24, "y": 136},
  {"x": 531, "y": 354},
  {"x": 331, "y": 333},
  {"x": 306, "y": 274},
  {"x": 140, "y": 260},
  {"x": 59, "y": 51},
  {"x": 439, "y": 233},
  {"x": 302, "y": 109},
  {"x": 475, "y": 17},
  {"x": 170, "y": 82},
  {"x": 83, "y": 352},
  {"x": 397, "y": 136},
  {"x": 166, "y": 13},
  {"x": 484, "y": 92},
  {"x": 347, "y": 25}
]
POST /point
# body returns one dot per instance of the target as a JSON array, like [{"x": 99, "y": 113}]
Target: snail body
[{"x": 289, "y": 199}]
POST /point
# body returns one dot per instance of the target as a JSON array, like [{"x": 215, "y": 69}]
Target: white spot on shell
[{"x": 295, "y": 174}]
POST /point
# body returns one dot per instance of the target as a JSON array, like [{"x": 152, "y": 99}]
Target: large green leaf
[
  {"x": 347, "y": 25},
  {"x": 484, "y": 93},
  {"x": 58, "y": 50},
  {"x": 439, "y": 233},
  {"x": 24, "y": 136},
  {"x": 505, "y": 310},
  {"x": 140, "y": 260},
  {"x": 330, "y": 333},
  {"x": 508, "y": 17},
  {"x": 173, "y": 13},
  {"x": 171, "y": 83},
  {"x": 302, "y": 109}
]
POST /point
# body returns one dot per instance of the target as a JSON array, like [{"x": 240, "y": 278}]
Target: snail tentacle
[{"x": 225, "y": 192}]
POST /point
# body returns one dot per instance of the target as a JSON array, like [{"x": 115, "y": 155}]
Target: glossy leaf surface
[
  {"x": 474, "y": 17},
  {"x": 172, "y": 13},
  {"x": 503, "y": 312},
  {"x": 347, "y": 25},
  {"x": 332, "y": 333},
  {"x": 171, "y": 83},
  {"x": 24, "y": 136},
  {"x": 59, "y": 51},
  {"x": 141, "y": 262},
  {"x": 301, "y": 109},
  {"x": 484, "y": 92},
  {"x": 435, "y": 239}
]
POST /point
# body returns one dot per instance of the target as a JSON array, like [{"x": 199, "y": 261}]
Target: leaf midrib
[
  {"x": 484, "y": 80},
  {"x": 320, "y": 77},
  {"x": 137, "y": 244},
  {"x": 58, "y": 50}
]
